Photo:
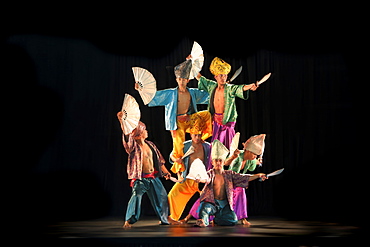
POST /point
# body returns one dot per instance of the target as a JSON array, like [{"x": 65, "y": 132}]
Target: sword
[
  {"x": 237, "y": 72},
  {"x": 263, "y": 79},
  {"x": 277, "y": 172}
]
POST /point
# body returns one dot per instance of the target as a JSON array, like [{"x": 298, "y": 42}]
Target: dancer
[
  {"x": 222, "y": 100},
  {"x": 242, "y": 162},
  {"x": 144, "y": 167},
  {"x": 181, "y": 114},
  {"x": 217, "y": 195},
  {"x": 182, "y": 192}
]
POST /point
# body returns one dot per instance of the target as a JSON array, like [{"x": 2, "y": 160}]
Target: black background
[{"x": 66, "y": 70}]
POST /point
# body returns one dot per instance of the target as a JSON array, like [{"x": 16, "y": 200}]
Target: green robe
[
  {"x": 236, "y": 164},
  {"x": 231, "y": 91}
]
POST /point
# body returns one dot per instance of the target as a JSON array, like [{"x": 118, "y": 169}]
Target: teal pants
[
  {"x": 157, "y": 196},
  {"x": 223, "y": 215}
]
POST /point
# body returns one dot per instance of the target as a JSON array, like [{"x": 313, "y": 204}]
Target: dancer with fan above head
[
  {"x": 222, "y": 99},
  {"x": 181, "y": 113},
  {"x": 242, "y": 162},
  {"x": 195, "y": 168},
  {"x": 144, "y": 167}
]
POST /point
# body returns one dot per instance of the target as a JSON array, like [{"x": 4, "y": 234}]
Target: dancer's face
[
  {"x": 217, "y": 164},
  {"x": 182, "y": 82},
  {"x": 248, "y": 155},
  {"x": 221, "y": 78},
  {"x": 196, "y": 138},
  {"x": 143, "y": 135}
]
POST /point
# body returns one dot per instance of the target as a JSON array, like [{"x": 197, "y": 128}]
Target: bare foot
[
  {"x": 246, "y": 223},
  {"x": 127, "y": 225},
  {"x": 173, "y": 222},
  {"x": 186, "y": 219},
  {"x": 200, "y": 223}
]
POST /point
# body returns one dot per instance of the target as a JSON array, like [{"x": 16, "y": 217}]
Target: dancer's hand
[
  {"x": 180, "y": 178},
  {"x": 262, "y": 176}
]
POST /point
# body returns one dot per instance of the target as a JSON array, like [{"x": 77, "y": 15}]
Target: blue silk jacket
[{"x": 168, "y": 98}]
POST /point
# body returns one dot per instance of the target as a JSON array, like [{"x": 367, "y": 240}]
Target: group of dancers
[{"x": 219, "y": 165}]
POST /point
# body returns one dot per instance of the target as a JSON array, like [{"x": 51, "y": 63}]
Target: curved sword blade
[
  {"x": 275, "y": 173},
  {"x": 263, "y": 79},
  {"x": 237, "y": 72}
]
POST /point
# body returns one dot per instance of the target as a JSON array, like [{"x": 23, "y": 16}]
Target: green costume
[
  {"x": 236, "y": 164},
  {"x": 231, "y": 91}
]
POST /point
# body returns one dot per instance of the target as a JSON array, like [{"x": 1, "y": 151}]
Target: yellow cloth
[
  {"x": 179, "y": 196},
  {"x": 197, "y": 123},
  {"x": 219, "y": 66}
]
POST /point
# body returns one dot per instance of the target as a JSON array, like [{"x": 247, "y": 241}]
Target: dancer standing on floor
[
  {"x": 182, "y": 192},
  {"x": 144, "y": 167}
]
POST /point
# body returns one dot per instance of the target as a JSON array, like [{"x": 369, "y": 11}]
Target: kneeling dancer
[{"x": 218, "y": 193}]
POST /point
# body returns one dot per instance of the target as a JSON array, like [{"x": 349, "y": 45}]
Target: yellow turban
[{"x": 219, "y": 66}]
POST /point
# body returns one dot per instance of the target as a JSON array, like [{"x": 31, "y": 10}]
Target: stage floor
[{"x": 147, "y": 232}]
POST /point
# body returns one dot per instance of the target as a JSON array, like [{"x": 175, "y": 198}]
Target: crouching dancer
[
  {"x": 218, "y": 193},
  {"x": 144, "y": 167}
]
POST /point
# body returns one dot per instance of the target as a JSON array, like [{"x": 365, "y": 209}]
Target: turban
[
  {"x": 255, "y": 144},
  {"x": 219, "y": 66},
  {"x": 139, "y": 129},
  {"x": 183, "y": 69},
  {"x": 219, "y": 151}
]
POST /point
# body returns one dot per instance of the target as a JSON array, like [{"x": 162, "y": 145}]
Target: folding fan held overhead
[
  {"x": 234, "y": 143},
  {"x": 197, "y": 60},
  {"x": 131, "y": 114},
  {"x": 147, "y": 84}
]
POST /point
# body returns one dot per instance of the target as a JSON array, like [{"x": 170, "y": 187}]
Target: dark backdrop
[{"x": 64, "y": 159}]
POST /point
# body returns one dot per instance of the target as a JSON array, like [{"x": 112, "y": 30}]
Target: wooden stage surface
[{"x": 146, "y": 232}]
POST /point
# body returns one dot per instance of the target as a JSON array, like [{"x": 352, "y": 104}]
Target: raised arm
[
  {"x": 232, "y": 157},
  {"x": 198, "y": 76}
]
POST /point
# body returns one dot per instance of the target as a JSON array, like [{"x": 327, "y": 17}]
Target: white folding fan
[
  {"x": 147, "y": 84},
  {"x": 190, "y": 151},
  {"x": 131, "y": 114},
  {"x": 197, "y": 170},
  {"x": 197, "y": 60},
  {"x": 234, "y": 143}
]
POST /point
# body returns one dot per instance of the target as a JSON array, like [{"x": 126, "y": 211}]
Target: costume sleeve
[
  {"x": 128, "y": 143},
  {"x": 161, "y": 97},
  {"x": 237, "y": 90},
  {"x": 205, "y": 84},
  {"x": 240, "y": 180},
  {"x": 236, "y": 163}
]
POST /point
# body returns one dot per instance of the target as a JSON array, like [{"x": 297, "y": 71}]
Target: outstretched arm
[
  {"x": 258, "y": 175},
  {"x": 252, "y": 87}
]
